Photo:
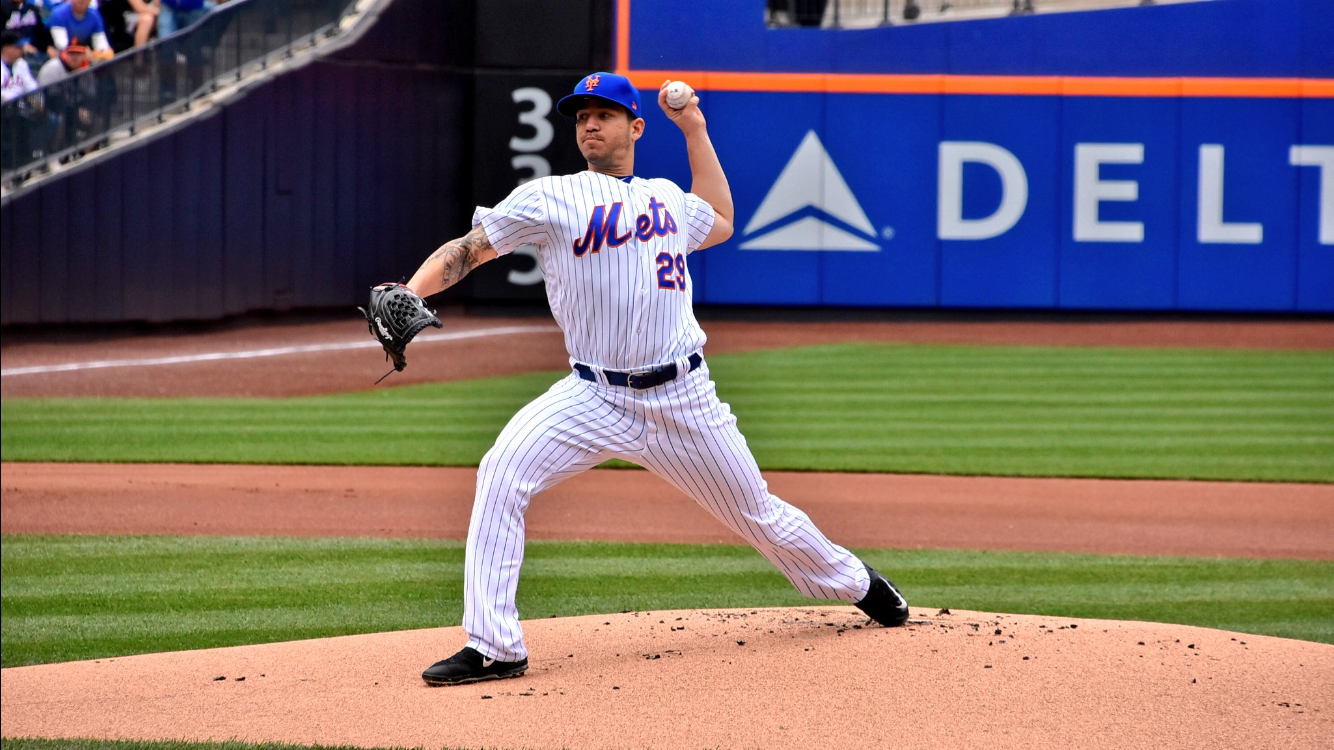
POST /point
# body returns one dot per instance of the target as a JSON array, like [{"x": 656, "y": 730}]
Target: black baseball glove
[{"x": 395, "y": 315}]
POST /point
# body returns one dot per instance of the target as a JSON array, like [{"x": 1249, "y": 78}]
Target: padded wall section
[
  {"x": 301, "y": 194},
  {"x": 991, "y": 176}
]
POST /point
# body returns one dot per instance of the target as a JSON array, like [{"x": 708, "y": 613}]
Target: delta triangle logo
[{"x": 810, "y": 187}]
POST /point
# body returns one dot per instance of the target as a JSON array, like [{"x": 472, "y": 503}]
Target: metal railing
[
  {"x": 863, "y": 13},
  {"x": 63, "y": 121}
]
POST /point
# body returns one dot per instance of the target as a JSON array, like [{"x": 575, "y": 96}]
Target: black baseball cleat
[
  {"x": 468, "y": 666},
  {"x": 883, "y": 602}
]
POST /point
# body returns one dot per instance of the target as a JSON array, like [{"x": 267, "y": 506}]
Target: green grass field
[
  {"x": 1005, "y": 411},
  {"x": 80, "y": 597},
  {"x": 1019, "y": 411}
]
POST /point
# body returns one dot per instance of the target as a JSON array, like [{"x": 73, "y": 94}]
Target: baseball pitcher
[{"x": 612, "y": 247}]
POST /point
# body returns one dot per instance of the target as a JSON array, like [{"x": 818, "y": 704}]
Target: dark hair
[{"x": 9, "y": 37}]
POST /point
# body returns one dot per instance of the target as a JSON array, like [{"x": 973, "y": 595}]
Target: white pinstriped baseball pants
[{"x": 679, "y": 431}]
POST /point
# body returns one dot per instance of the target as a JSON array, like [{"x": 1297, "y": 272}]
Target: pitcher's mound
[{"x": 817, "y": 677}]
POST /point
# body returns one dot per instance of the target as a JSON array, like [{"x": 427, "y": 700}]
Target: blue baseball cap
[{"x": 608, "y": 86}]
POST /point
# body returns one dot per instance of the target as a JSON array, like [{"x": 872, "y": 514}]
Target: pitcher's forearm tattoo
[{"x": 460, "y": 256}]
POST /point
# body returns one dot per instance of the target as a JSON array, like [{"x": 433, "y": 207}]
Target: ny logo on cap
[{"x": 592, "y": 82}]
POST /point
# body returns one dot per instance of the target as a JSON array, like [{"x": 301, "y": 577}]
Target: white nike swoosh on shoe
[{"x": 487, "y": 662}]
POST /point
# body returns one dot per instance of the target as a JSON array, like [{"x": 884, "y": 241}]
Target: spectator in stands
[
  {"x": 15, "y": 75},
  {"x": 24, "y": 18},
  {"x": 129, "y": 22},
  {"x": 178, "y": 14},
  {"x": 76, "y": 21},
  {"x": 73, "y": 104},
  {"x": 20, "y": 131},
  {"x": 71, "y": 60},
  {"x": 796, "y": 12}
]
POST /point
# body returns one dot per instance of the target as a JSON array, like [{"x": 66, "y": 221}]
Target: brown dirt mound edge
[{"x": 768, "y": 678}]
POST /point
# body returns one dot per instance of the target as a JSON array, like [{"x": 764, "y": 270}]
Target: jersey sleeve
[
  {"x": 699, "y": 221},
  {"x": 520, "y": 219},
  {"x": 59, "y": 36}
]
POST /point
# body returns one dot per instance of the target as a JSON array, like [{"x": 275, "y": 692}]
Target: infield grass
[
  {"x": 66, "y": 598},
  {"x": 938, "y": 409}
]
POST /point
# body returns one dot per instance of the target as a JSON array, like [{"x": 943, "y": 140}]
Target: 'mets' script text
[{"x": 658, "y": 222}]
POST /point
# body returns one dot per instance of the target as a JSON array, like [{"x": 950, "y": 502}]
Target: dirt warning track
[{"x": 323, "y": 355}]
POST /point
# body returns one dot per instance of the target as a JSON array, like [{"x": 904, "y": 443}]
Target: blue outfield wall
[{"x": 1114, "y": 202}]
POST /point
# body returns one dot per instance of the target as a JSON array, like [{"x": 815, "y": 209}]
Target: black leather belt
[{"x": 640, "y": 379}]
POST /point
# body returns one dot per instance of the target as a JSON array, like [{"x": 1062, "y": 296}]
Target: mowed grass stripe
[
  {"x": 1009, "y": 411},
  {"x": 79, "y": 597}
]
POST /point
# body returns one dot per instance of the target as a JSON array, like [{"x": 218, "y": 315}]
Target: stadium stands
[
  {"x": 863, "y": 13},
  {"x": 145, "y": 84}
]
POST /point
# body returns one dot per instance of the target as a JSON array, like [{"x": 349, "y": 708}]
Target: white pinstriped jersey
[{"x": 613, "y": 256}]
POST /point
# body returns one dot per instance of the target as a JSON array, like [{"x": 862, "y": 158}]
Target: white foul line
[{"x": 274, "y": 352}]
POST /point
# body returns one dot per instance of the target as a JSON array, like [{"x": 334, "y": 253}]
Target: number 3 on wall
[
  {"x": 535, "y": 118},
  {"x": 672, "y": 271}
]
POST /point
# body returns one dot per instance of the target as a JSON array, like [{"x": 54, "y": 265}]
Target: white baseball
[{"x": 678, "y": 94}]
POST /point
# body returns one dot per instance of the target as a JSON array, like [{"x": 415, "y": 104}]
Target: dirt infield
[
  {"x": 1232, "y": 519},
  {"x": 797, "y": 678}
]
